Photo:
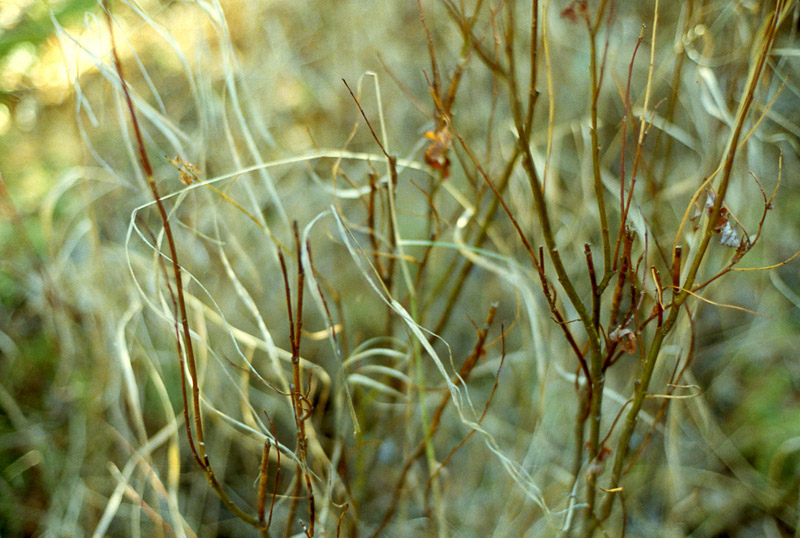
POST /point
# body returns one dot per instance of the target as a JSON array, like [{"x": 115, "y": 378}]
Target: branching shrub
[{"x": 471, "y": 291}]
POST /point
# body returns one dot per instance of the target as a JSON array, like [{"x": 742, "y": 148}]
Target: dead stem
[
  {"x": 198, "y": 449},
  {"x": 768, "y": 34}
]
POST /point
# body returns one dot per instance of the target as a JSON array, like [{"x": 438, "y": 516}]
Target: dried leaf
[
  {"x": 436, "y": 154},
  {"x": 576, "y": 10},
  {"x": 625, "y": 337},
  {"x": 189, "y": 172}
]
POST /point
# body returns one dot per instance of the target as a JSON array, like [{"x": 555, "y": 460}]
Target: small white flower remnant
[{"x": 728, "y": 235}]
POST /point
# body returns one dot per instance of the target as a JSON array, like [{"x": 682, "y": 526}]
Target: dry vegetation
[{"x": 444, "y": 268}]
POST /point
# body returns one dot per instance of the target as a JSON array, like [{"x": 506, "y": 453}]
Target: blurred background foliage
[{"x": 60, "y": 433}]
